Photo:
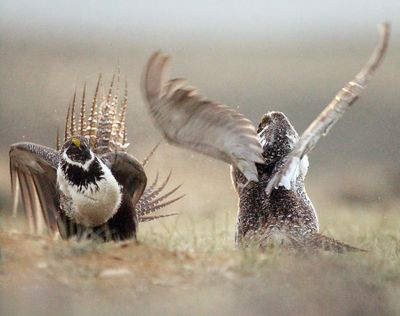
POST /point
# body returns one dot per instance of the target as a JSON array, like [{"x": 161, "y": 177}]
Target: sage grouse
[
  {"x": 268, "y": 165},
  {"x": 89, "y": 187}
]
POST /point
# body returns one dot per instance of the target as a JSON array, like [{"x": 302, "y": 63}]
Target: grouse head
[
  {"x": 277, "y": 136},
  {"x": 76, "y": 151}
]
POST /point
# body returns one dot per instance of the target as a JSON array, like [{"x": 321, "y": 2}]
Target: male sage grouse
[
  {"x": 89, "y": 187},
  {"x": 268, "y": 166}
]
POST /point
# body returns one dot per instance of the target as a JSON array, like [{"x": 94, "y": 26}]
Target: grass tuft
[{"x": 189, "y": 265}]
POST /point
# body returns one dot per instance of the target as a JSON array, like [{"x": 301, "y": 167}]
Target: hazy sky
[
  {"x": 225, "y": 19},
  {"x": 290, "y": 56}
]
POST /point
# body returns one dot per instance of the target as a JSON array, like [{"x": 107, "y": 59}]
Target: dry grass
[{"x": 188, "y": 265}]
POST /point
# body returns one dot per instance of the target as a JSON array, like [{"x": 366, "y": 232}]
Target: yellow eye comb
[{"x": 76, "y": 142}]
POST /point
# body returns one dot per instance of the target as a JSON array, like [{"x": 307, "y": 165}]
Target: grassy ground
[{"x": 189, "y": 266}]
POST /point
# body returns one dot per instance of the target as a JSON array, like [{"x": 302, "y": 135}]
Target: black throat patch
[{"x": 81, "y": 178}]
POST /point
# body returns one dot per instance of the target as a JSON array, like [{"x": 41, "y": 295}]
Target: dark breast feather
[{"x": 83, "y": 178}]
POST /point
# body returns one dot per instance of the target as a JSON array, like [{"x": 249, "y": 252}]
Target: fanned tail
[
  {"x": 72, "y": 128},
  {"x": 82, "y": 115},
  {"x": 152, "y": 218},
  {"x": 118, "y": 135},
  {"x": 150, "y": 189},
  {"x": 151, "y": 201},
  {"x": 154, "y": 192},
  {"x": 58, "y": 142},
  {"x": 151, "y": 153},
  {"x": 106, "y": 119},
  {"x": 105, "y": 124},
  {"x": 67, "y": 133},
  {"x": 91, "y": 130}
]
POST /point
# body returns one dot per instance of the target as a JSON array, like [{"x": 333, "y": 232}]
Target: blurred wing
[
  {"x": 329, "y": 116},
  {"x": 33, "y": 173},
  {"x": 128, "y": 172},
  {"x": 188, "y": 120}
]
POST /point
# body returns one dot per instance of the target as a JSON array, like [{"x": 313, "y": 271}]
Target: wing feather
[
  {"x": 128, "y": 172},
  {"x": 33, "y": 175},
  {"x": 188, "y": 120},
  {"x": 343, "y": 100},
  {"x": 27, "y": 204}
]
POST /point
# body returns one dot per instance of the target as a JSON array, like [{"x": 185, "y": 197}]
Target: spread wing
[
  {"x": 33, "y": 174},
  {"x": 330, "y": 115},
  {"x": 128, "y": 172},
  {"x": 188, "y": 120}
]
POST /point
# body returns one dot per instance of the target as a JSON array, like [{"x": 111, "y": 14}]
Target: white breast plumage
[{"x": 96, "y": 204}]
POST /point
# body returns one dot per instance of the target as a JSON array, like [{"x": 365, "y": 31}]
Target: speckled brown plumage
[
  {"x": 33, "y": 170},
  {"x": 286, "y": 217},
  {"x": 268, "y": 172}
]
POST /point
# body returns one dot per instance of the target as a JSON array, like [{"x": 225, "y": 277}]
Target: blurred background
[{"x": 254, "y": 56}]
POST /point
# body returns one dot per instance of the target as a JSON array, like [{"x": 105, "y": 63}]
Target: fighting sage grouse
[
  {"x": 89, "y": 187},
  {"x": 268, "y": 166}
]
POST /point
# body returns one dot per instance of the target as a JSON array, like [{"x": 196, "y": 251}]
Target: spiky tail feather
[
  {"x": 151, "y": 202},
  {"x": 155, "y": 217},
  {"x": 105, "y": 125},
  {"x": 322, "y": 242}
]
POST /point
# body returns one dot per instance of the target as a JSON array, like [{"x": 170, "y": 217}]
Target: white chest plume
[{"x": 94, "y": 204}]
